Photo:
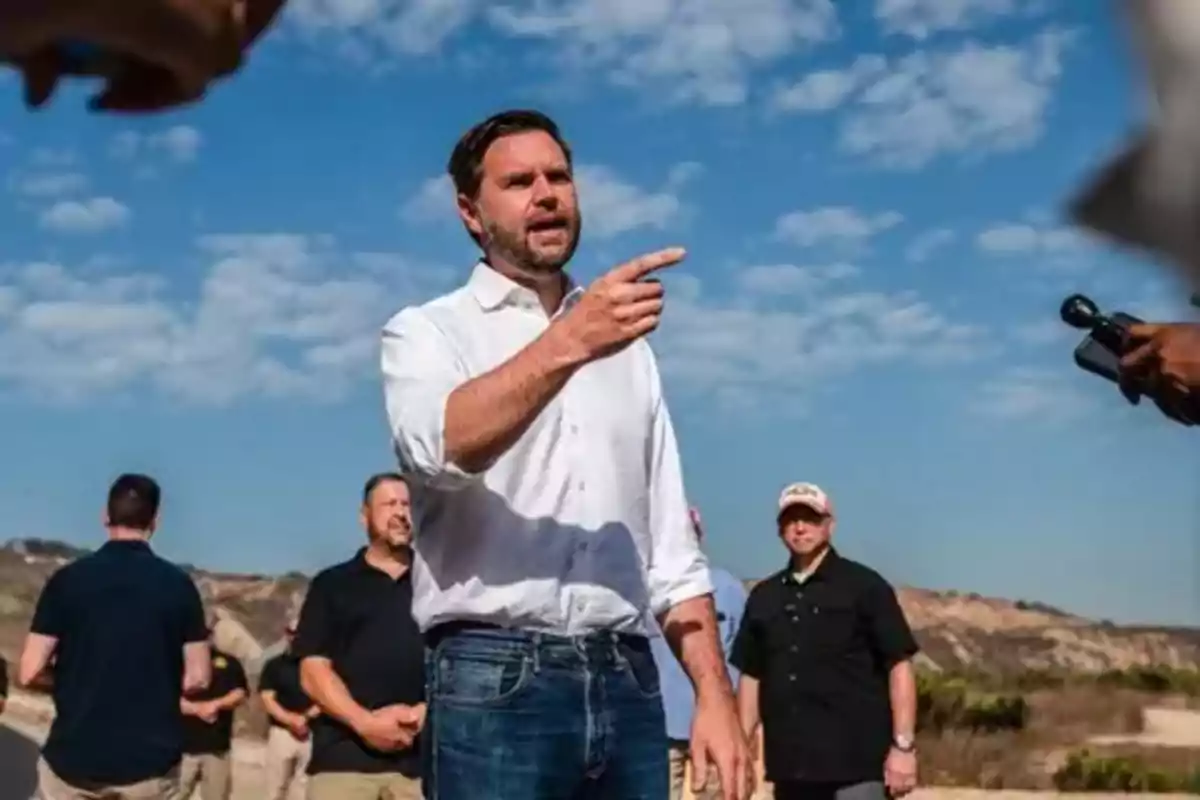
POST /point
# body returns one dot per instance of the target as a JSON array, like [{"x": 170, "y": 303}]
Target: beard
[{"x": 513, "y": 248}]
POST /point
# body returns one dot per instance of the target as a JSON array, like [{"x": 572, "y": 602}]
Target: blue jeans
[{"x": 515, "y": 715}]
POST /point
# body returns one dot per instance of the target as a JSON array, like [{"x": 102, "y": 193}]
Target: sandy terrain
[{"x": 1165, "y": 727}]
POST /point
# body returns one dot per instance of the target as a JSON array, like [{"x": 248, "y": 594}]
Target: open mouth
[{"x": 548, "y": 225}]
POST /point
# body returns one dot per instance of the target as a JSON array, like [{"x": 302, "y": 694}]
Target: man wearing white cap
[{"x": 825, "y": 656}]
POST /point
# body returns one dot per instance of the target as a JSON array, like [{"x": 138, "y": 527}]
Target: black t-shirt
[
  {"x": 3, "y": 678},
  {"x": 121, "y": 617},
  {"x": 281, "y": 675},
  {"x": 360, "y": 618},
  {"x": 215, "y": 737},
  {"x": 821, "y": 652}
]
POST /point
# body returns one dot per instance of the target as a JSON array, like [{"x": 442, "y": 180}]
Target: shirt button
[
  {"x": 581, "y": 486},
  {"x": 792, "y": 677}
]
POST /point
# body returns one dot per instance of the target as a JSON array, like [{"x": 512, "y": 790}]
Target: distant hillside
[{"x": 956, "y": 630}]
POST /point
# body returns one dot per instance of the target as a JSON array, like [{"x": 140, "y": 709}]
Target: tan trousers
[
  {"x": 681, "y": 777},
  {"x": 210, "y": 773},
  {"x": 52, "y": 787},
  {"x": 287, "y": 758},
  {"x": 353, "y": 786}
]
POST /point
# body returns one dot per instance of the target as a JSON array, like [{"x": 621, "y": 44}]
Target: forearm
[
  {"x": 278, "y": 712},
  {"x": 329, "y": 692},
  {"x": 229, "y": 701},
  {"x": 487, "y": 415},
  {"x": 691, "y": 630},
  {"x": 748, "y": 705},
  {"x": 902, "y": 690}
]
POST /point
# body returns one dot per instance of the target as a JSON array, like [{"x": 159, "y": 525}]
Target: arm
[
  {"x": 748, "y": 655},
  {"x": 49, "y": 623},
  {"x": 314, "y": 644},
  {"x": 329, "y": 692},
  {"x": 680, "y": 584},
  {"x": 448, "y": 428},
  {"x": 197, "y": 656},
  {"x": 279, "y": 713},
  {"x": 895, "y": 646}
]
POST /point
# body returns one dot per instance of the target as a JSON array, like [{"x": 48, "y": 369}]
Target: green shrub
[
  {"x": 1083, "y": 772},
  {"x": 950, "y": 703}
]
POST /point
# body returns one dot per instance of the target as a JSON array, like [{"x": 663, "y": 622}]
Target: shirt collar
[
  {"x": 361, "y": 563},
  {"x": 822, "y": 570},
  {"x": 493, "y": 290},
  {"x": 125, "y": 544}
]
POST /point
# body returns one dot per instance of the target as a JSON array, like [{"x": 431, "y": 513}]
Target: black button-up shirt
[
  {"x": 360, "y": 618},
  {"x": 822, "y": 651},
  {"x": 200, "y": 737}
]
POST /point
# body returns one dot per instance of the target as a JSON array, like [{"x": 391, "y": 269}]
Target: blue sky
[{"x": 870, "y": 195}]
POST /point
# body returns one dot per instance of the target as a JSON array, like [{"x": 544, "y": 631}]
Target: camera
[{"x": 1106, "y": 342}]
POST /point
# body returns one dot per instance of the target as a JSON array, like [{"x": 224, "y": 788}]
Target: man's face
[
  {"x": 527, "y": 211},
  {"x": 804, "y": 530},
  {"x": 387, "y": 514}
]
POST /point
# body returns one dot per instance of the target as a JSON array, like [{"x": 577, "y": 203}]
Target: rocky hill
[{"x": 956, "y": 630}]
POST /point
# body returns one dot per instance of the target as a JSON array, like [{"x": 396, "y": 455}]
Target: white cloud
[
  {"x": 967, "y": 101},
  {"x": 274, "y": 315},
  {"x": 1054, "y": 245},
  {"x": 1024, "y": 393},
  {"x": 927, "y": 243},
  {"x": 791, "y": 279},
  {"x": 433, "y": 201},
  {"x": 788, "y": 329},
  {"x": 611, "y": 205},
  {"x": 827, "y": 89},
  {"x": 180, "y": 143},
  {"x": 85, "y": 216},
  {"x": 839, "y": 225},
  {"x": 700, "y": 51},
  {"x": 408, "y": 27},
  {"x": 920, "y": 19},
  {"x": 49, "y": 184}
]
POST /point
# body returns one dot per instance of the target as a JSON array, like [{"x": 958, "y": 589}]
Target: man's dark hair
[
  {"x": 377, "y": 479},
  {"x": 133, "y": 502},
  {"x": 466, "y": 162}
]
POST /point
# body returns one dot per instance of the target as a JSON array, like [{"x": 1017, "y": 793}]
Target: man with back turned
[{"x": 121, "y": 632}]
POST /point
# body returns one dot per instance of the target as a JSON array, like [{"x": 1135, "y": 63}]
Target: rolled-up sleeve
[
  {"x": 420, "y": 370},
  {"x": 678, "y": 569}
]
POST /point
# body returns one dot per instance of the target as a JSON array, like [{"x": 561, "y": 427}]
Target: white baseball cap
[{"x": 805, "y": 494}]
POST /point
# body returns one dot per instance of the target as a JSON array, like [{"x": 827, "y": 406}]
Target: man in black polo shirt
[
  {"x": 291, "y": 712},
  {"x": 826, "y": 665},
  {"x": 3, "y": 683},
  {"x": 125, "y": 631},
  {"x": 208, "y": 727},
  {"x": 363, "y": 660}
]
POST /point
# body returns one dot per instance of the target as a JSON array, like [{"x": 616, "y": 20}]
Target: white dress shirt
[{"x": 582, "y": 525}]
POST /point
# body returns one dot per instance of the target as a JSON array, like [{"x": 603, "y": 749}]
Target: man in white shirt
[{"x": 528, "y": 414}]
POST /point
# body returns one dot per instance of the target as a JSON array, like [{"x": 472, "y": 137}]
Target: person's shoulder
[
  {"x": 435, "y": 315},
  {"x": 333, "y": 575},
  {"x": 867, "y": 575}
]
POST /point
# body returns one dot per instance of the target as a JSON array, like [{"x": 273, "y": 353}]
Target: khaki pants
[
  {"x": 287, "y": 758},
  {"x": 210, "y": 772},
  {"x": 681, "y": 776},
  {"x": 354, "y": 786},
  {"x": 52, "y": 787}
]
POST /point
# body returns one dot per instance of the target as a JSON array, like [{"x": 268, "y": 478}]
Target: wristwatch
[{"x": 904, "y": 744}]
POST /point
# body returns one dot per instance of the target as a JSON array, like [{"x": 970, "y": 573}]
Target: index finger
[
  {"x": 1144, "y": 330},
  {"x": 650, "y": 262}
]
